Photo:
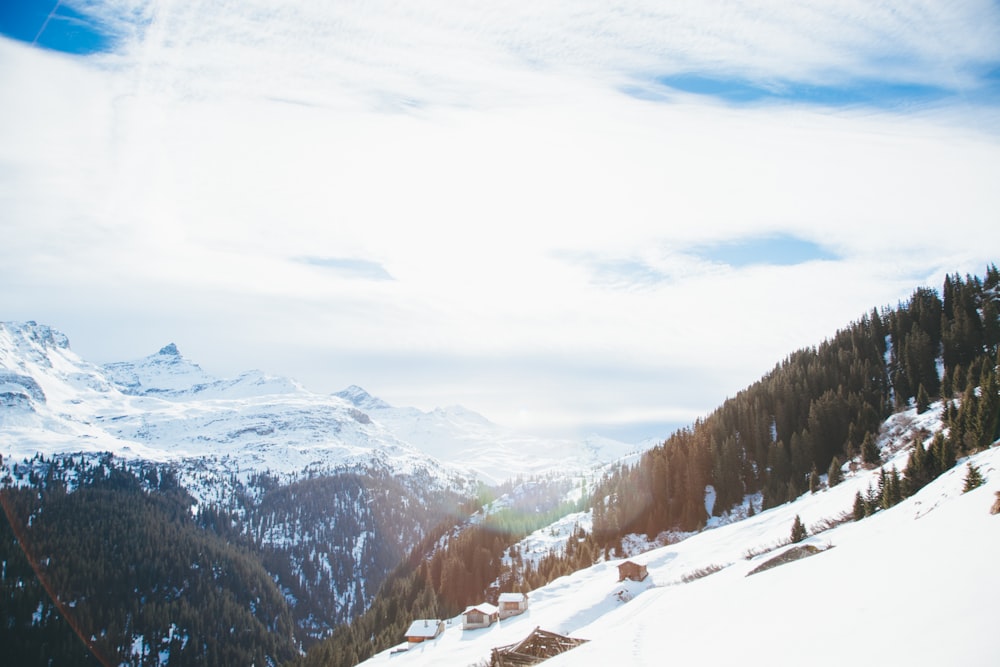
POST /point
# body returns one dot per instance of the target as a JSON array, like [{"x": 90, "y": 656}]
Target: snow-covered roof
[
  {"x": 424, "y": 627},
  {"x": 512, "y": 597},
  {"x": 484, "y": 608}
]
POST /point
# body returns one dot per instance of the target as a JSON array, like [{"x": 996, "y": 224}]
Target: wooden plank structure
[{"x": 533, "y": 649}]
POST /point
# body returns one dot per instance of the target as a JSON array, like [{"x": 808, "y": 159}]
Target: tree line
[{"x": 819, "y": 407}]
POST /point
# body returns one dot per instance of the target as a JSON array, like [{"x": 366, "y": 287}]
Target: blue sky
[
  {"x": 552, "y": 213},
  {"x": 56, "y": 26},
  {"x": 773, "y": 250}
]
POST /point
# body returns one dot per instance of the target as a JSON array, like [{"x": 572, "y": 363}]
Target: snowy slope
[
  {"x": 493, "y": 452},
  {"x": 915, "y": 584}
]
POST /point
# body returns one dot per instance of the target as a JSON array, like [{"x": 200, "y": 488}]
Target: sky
[{"x": 572, "y": 217}]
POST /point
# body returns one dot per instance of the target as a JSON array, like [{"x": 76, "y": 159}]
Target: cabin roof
[
  {"x": 512, "y": 597},
  {"x": 424, "y": 627},
  {"x": 483, "y": 608}
]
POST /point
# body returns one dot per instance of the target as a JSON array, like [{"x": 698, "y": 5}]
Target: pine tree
[
  {"x": 893, "y": 491},
  {"x": 973, "y": 478},
  {"x": 916, "y": 472},
  {"x": 943, "y": 453},
  {"x": 859, "y": 507},
  {"x": 988, "y": 410},
  {"x": 833, "y": 473},
  {"x": 869, "y": 450},
  {"x": 923, "y": 400},
  {"x": 947, "y": 391},
  {"x": 798, "y": 530},
  {"x": 814, "y": 480}
]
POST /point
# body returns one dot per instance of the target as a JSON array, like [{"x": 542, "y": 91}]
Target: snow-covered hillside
[
  {"x": 166, "y": 408},
  {"x": 914, "y": 584}
]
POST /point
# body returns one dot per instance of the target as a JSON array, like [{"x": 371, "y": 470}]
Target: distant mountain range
[
  {"x": 321, "y": 494},
  {"x": 165, "y": 407}
]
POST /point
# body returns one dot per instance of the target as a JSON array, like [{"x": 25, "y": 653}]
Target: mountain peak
[
  {"x": 170, "y": 350},
  {"x": 360, "y": 398},
  {"x": 38, "y": 335}
]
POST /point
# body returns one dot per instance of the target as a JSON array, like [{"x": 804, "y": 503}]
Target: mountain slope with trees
[
  {"x": 819, "y": 407},
  {"x": 113, "y": 560},
  {"x": 785, "y": 435}
]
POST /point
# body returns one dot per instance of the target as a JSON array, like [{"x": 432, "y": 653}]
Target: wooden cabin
[
  {"x": 481, "y": 616},
  {"x": 632, "y": 571},
  {"x": 424, "y": 629},
  {"x": 512, "y": 604}
]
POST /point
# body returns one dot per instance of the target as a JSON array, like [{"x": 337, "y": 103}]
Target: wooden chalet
[
  {"x": 632, "y": 571},
  {"x": 481, "y": 616},
  {"x": 512, "y": 604},
  {"x": 424, "y": 629},
  {"x": 538, "y": 646}
]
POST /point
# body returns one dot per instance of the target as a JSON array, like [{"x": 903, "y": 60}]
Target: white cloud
[{"x": 487, "y": 162}]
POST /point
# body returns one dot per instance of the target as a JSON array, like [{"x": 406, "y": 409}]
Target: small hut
[
  {"x": 481, "y": 616},
  {"x": 538, "y": 646},
  {"x": 632, "y": 571},
  {"x": 512, "y": 604},
  {"x": 424, "y": 629}
]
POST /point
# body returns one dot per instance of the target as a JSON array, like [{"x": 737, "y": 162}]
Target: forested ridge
[
  {"x": 106, "y": 561},
  {"x": 818, "y": 409},
  {"x": 133, "y": 575}
]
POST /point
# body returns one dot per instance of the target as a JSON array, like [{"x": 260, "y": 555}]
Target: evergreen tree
[
  {"x": 943, "y": 453},
  {"x": 923, "y": 400},
  {"x": 988, "y": 410},
  {"x": 872, "y": 499},
  {"x": 973, "y": 478},
  {"x": 892, "y": 491},
  {"x": 947, "y": 389},
  {"x": 814, "y": 479},
  {"x": 798, "y": 530},
  {"x": 917, "y": 472},
  {"x": 869, "y": 450},
  {"x": 859, "y": 507},
  {"x": 833, "y": 473}
]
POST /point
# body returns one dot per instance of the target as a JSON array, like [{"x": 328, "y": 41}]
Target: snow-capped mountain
[
  {"x": 908, "y": 585},
  {"x": 493, "y": 452},
  {"x": 167, "y": 373},
  {"x": 336, "y": 488},
  {"x": 165, "y": 407}
]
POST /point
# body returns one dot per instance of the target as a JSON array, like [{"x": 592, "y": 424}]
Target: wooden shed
[
  {"x": 538, "y": 646},
  {"x": 512, "y": 604},
  {"x": 424, "y": 629},
  {"x": 481, "y": 616},
  {"x": 632, "y": 571}
]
